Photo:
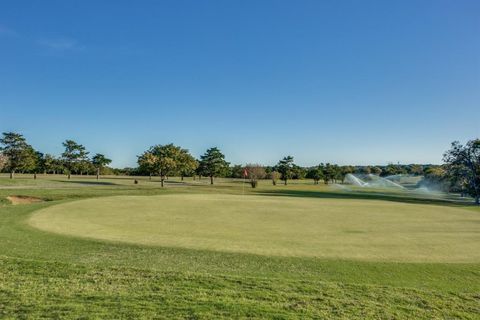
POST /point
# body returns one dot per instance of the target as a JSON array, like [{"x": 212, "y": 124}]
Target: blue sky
[{"x": 349, "y": 82}]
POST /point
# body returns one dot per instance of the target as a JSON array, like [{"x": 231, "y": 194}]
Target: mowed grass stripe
[{"x": 277, "y": 226}]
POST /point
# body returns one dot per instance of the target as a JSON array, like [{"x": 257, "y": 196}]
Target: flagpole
[{"x": 243, "y": 184}]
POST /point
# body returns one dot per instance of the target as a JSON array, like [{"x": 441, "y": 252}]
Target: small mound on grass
[{"x": 23, "y": 199}]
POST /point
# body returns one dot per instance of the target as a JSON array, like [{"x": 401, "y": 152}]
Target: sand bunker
[{"x": 23, "y": 199}]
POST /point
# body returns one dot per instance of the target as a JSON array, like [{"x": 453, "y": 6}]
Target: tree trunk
[
  {"x": 161, "y": 181},
  {"x": 69, "y": 176},
  {"x": 34, "y": 176},
  {"x": 150, "y": 178},
  {"x": 211, "y": 179},
  {"x": 477, "y": 200},
  {"x": 285, "y": 181},
  {"x": 274, "y": 182},
  {"x": 98, "y": 173},
  {"x": 12, "y": 174},
  {"x": 182, "y": 178}
]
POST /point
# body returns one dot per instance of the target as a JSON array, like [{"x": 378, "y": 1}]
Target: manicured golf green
[{"x": 371, "y": 230}]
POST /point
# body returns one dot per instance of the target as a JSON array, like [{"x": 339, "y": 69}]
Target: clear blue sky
[{"x": 350, "y": 82}]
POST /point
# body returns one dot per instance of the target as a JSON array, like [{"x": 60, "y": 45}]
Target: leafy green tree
[
  {"x": 393, "y": 169},
  {"x": 51, "y": 164},
  {"x": 73, "y": 156},
  {"x": 338, "y": 173},
  {"x": 298, "y": 172},
  {"x": 285, "y": 167},
  {"x": 162, "y": 159},
  {"x": 38, "y": 163},
  {"x": 463, "y": 166},
  {"x": 19, "y": 154},
  {"x": 364, "y": 170},
  {"x": 315, "y": 173},
  {"x": 435, "y": 177},
  {"x": 415, "y": 169},
  {"x": 146, "y": 163},
  {"x": 236, "y": 171},
  {"x": 99, "y": 161},
  {"x": 331, "y": 172},
  {"x": 187, "y": 164},
  {"x": 376, "y": 170},
  {"x": 212, "y": 164}
]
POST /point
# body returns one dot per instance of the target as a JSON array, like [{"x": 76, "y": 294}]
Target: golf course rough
[{"x": 370, "y": 230}]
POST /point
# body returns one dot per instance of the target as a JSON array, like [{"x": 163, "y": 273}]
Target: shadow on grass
[
  {"x": 405, "y": 198},
  {"x": 98, "y": 183}
]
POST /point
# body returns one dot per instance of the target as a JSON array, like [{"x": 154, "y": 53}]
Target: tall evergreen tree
[
  {"x": 213, "y": 163},
  {"x": 286, "y": 167}
]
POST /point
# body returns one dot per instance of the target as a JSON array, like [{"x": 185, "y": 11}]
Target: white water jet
[
  {"x": 377, "y": 181},
  {"x": 351, "y": 179},
  {"x": 372, "y": 181}
]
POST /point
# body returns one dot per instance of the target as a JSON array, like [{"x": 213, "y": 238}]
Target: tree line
[
  {"x": 459, "y": 173},
  {"x": 19, "y": 156}
]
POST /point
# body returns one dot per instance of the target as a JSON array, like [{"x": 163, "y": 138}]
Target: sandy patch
[{"x": 23, "y": 199}]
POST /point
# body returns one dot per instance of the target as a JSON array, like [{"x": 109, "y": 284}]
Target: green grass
[
  {"x": 286, "y": 226},
  {"x": 43, "y": 274}
]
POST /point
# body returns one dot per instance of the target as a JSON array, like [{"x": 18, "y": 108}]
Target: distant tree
[
  {"x": 19, "y": 154},
  {"x": 298, "y": 172},
  {"x": 435, "y": 177},
  {"x": 99, "y": 161},
  {"x": 73, "y": 156},
  {"x": 364, "y": 170},
  {"x": 315, "y": 173},
  {"x": 463, "y": 166},
  {"x": 415, "y": 169},
  {"x": 338, "y": 174},
  {"x": 162, "y": 159},
  {"x": 236, "y": 171},
  {"x": 393, "y": 169},
  {"x": 346, "y": 170},
  {"x": 146, "y": 164},
  {"x": 285, "y": 168},
  {"x": 376, "y": 171},
  {"x": 212, "y": 164},
  {"x": 51, "y": 164},
  {"x": 187, "y": 164},
  {"x": 38, "y": 163},
  {"x": 254, "y": 173},
  {"x": 275, "y": 175},
  {"x": 330, "y": 172},
  {"x": 85, "y": 167}
]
